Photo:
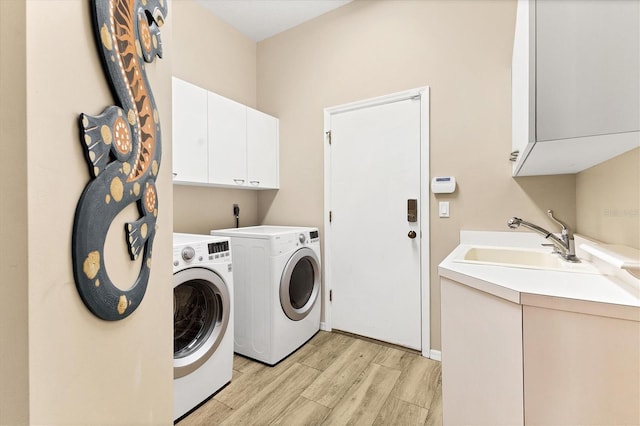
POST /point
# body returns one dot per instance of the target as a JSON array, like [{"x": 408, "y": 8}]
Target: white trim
[
  {"x": 435, "y": 355},
  {"x": 423, "y": 92},
  {"x": 425, "y": 187},
  {"x": 324, "y": 327},
  {"x": 326, "y": 305}
]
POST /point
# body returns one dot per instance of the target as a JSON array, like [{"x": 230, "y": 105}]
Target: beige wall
[
  {"x": 81, "y": 370},
  {"x": 462, "y": 50},
  {"x": 213, "y": 55},
  {"x": 608, "y": 200},
  {"x": 14, "y": 334}
]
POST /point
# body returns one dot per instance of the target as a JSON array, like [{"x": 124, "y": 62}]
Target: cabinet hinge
[
  {"x": 330, "y": 295},
  {"x": 330, "y": 216},
  {"x": 328, "y": 133}
]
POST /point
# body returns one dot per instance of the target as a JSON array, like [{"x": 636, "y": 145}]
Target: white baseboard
[
  {"x": 435, "y": 355},
  {"x": 323, "y": 326}
]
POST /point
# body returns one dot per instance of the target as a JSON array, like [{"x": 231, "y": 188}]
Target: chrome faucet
[{"x": 564, "y": 246}]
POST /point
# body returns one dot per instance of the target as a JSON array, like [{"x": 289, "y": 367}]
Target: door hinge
[
  {"x": 330, "y": 216},
  {"x": 328, "y": 133},
  {"x": 330, "y": 295}
]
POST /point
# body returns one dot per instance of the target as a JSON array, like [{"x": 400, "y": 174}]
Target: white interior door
[{"x": 375, "y": 264}]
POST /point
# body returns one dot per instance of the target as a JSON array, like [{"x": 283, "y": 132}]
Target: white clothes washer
[
  {"x": 277, "y": 278},
  {"x": 202, "y": 319}
]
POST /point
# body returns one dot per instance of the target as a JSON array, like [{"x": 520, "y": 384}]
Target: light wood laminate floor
[{"x": 334, "y": 379}]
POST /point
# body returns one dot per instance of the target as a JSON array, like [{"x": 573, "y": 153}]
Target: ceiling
[{"x": 261, "y": 19}]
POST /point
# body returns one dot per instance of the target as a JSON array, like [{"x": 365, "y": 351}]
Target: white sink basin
[{"x": 523, "y": 258}]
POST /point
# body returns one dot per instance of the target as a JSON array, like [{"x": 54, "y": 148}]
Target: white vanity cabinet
[
  {"x": 220, "y": 142},
  {"x": 506, "y": 362},
  {"x": 190, "y": 145},
  {"x": 575, "y": 84}
]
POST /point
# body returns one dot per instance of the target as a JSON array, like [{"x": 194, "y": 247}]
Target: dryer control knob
[
  {"x": 302, "y": 238},
  {"x": 188, "y": 253}
]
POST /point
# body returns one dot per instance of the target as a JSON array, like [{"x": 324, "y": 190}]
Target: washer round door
[
  {"x": 300, "y": 284},
  {"x": 201, "y": 307}
]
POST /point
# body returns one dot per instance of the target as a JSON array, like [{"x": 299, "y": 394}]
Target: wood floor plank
[
  {"x": 321, "y": 337},
  {"x": 210, "y": 413},
  {"x": 303, "y": 412},
  {"x": 366, "y": 397},
  {"x": 238, "y": 392},
  {"x": 334, "y": 382},
  {"x": 246, "y": 365},
  {"x": 273, "y": 399},
  {"x": 328, "y": 347},
  {"x": 398, "y": 412},
  {"x": 394, "y": 358},
  {"x": 235, "y": 374},
  {"x": 434, "y": 418},
  {"x": 418, "y": 382}
]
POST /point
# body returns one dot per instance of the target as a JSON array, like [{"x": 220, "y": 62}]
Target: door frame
[{"x": 425, "y": 287}]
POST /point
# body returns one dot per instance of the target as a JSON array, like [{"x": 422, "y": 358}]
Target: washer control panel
[{"x": 194, "y": 253}]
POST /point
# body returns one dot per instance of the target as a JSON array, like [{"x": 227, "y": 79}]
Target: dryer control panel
[{"x": 308, "y": 237}]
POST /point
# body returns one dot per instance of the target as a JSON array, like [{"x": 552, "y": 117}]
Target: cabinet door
[
  {"x": 580, "y": 369},
  {"x": 227, "y": 141},
  {"x": 190, "y": 149},
  {"x": 262, "y": 149},
  {"x": 481, "y": 357},
  {"x": 587, "y": 68}
]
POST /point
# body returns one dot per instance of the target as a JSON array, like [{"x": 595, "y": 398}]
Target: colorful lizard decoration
[{"x": 123, "y": 150}]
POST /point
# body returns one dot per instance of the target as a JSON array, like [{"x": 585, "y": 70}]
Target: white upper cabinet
[
  {"x": 262, "y": 149},
  {"x": 220, "y": 142},
  {"x": 575, "y": 84},
  {"x": 190, "y": 146},
  {"x": 227, "y": 141}
]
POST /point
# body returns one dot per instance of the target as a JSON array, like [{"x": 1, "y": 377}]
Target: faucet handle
[{"x": 565, "y": 228}]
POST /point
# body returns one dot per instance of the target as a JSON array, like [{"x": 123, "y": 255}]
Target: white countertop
[{"x": 605, "y": 295}]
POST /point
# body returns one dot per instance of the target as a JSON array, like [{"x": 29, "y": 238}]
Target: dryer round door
[
  {"x": 300, "y": 284},
  {"x": 201, "y": 307}
]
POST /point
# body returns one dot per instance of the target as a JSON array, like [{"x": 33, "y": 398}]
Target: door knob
[{"x": 412, "y": 234}]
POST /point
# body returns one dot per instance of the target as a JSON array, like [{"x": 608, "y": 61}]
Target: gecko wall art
[{"x": 122, "y": 147}]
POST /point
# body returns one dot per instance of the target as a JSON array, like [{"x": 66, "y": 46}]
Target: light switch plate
[{"x": 443, "y": 209}]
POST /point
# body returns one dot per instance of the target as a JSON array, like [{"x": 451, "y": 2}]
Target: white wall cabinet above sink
[
  {"x": 220, "y": 142},
  {"x": 575, "y": 84}
]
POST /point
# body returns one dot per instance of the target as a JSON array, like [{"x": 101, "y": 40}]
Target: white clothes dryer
[
  {"x": 277, "y": 279},
  {"x": 202, "y": 319}
]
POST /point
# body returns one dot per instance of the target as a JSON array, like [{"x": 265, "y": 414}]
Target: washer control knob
[
  {"x": 188, "y": 253},
  {"x": 302, "y": 238}
]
